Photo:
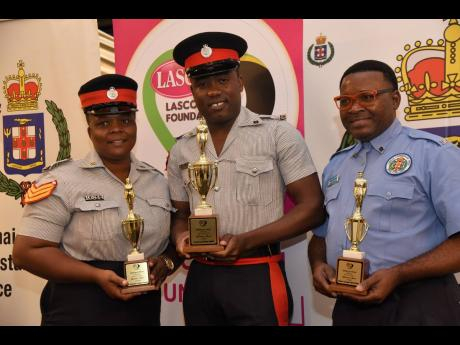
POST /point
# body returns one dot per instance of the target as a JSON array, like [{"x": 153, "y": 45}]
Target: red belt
[{"x": 243, "y": 261}]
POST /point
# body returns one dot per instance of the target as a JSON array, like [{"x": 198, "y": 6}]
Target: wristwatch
[{"x": 168, "y": 262}]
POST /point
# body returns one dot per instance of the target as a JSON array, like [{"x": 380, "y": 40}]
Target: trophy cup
[
  {"x": 202, "y": 225},
  {"x": 137, "y": 270},
  {"x": 352, "y": 266}
]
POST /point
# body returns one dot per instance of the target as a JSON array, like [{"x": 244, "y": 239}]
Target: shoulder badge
[
  {"x": 56, "y": 164},
  {"x": 36, "y": 193},
  {"x": 398, "y": 164}
]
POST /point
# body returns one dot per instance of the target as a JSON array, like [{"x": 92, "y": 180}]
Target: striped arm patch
[{"x": 35, "y": 193}]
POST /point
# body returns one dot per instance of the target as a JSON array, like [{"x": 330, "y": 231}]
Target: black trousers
[
  {"x": 231, "y": 295},
  {"x": 427, "y": 302},
  {"x": 69, "y": 304}
]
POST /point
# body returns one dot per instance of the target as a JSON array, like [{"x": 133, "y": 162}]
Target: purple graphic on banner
[
  {"x": 24, "y": 143},
  {"x": 451, "y": 133}
]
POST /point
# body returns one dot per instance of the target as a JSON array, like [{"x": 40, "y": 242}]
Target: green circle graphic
[{"x": 150, "y": 105}]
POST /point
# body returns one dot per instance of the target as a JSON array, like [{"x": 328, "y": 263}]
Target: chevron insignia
[{"x": 35, "y": 193}]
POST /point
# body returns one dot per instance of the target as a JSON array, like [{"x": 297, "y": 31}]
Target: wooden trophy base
[
  {"x": 137, "y": 272},
  {"x": 203, "y": 234},
  {"x": 139, "y": 288},
  {"x": 350, "y": 272},
  {"x": 206, "y": 248},
  {"x": 350, "y": 289}
]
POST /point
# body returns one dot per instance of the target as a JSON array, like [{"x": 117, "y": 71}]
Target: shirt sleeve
[
  {"x": 46, "y": 219},
  {"x": 175, "y": 181},
  {"x": 294, "y": 158},
  {"x": 445, "y": 187}
]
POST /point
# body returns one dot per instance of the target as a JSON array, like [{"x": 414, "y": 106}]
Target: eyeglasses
[{"x": 364, "y": 98}]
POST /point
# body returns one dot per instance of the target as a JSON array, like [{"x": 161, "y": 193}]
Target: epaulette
[
  {"x": 147, "y": 166},
  {"x": 348, "y": 148},
  {"x": 186, "y": 135},
  {"x": 280, "y": 117},
  {"x": 419, "y": 134},
  {"x": 56, "y": 164}
]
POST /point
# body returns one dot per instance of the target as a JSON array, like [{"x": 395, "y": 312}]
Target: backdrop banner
[{"x": 42, "y": 66}]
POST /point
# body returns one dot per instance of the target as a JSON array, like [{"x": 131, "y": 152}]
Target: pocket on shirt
[
  {"x": 97, "y": 220},
  {"x": 392, "y": 199},
  {"x": 160, "y": 204},
  {"x": 254, "y": 180},
  {"x": 331, "y": 194},
  {"x": 161, "y": 209}
]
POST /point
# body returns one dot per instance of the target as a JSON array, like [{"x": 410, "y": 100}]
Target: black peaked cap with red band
[
  {"x": 108, "y": 94},
  {"x": 209, "y": 53}
]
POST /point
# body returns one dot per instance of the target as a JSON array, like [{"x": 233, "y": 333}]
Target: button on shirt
[
  {"x": 85, "y": 211},
  {"x": 260, "y": 157},
  {"x": 408, "y": 213}
]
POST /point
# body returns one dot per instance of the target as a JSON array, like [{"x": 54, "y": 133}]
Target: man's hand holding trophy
[
  {"x": 202, "y": 224},
  {"x": 352, "y": 266}
]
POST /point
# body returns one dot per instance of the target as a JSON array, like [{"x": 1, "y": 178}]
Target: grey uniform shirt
[
  {"x": 89, "y": 228},
  {"x": 261, "y": 155}
]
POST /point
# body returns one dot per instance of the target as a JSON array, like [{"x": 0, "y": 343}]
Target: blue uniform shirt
[{"x": 413, "y": 195}]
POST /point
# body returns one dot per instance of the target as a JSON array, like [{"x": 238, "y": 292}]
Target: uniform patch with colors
[
  {"x": 36, "y": 193},
  {"x": 398, "y": 164}
]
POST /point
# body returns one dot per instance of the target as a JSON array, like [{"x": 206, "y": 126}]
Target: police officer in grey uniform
[
  {"x": 71, "y": 228},
  {"x": 411, "y": 206},
  {"x": 259, "y": 159}
]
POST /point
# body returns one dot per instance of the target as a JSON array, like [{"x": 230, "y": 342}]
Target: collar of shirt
[
  {"x": 248, "y": 118},
  {"x": 92, "y": 160},
  {"x": 383, "y": 141}
]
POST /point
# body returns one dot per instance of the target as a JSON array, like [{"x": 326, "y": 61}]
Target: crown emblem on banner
[
  {"x": 321, "y": 39},
  {"x": 22, "y": 90},
  {"x": 430, "y": 76}
]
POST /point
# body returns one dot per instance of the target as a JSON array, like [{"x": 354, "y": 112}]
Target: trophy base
[
  {"x": 203, "y": 234},
  {"x": 208, "y": 248},
  {"x": 140, "y": 288},
  {"x": 350, "y": 272},
  {"x": 137, "y": 273},
  {"x": 346, "y": 289}
]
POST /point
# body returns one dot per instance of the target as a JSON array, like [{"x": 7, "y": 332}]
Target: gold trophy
[
  {"x": 202, "y": 225},
  {"x": 137, "y": 270},
  {"x": 352, "y": 266}
]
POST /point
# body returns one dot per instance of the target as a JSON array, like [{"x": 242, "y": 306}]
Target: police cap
[
  {"x": 209, "y": 53},
  {"x": 108, "y": 94}
]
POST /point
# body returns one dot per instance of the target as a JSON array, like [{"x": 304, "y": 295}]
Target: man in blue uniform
[{"x": 411, "y": 206}]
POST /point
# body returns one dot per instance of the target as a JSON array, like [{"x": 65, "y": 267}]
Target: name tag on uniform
[
  {"x": 332, "y": 181},
  {"x": 93, "y": 197}
]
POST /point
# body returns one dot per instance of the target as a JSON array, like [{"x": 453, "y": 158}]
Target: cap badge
[
  {"x": 206, "y": 51},
  {"x": 398, "y": 164},
  {"x": 112, "y": 93}
]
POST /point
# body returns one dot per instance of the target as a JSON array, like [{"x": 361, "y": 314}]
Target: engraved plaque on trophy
[
  {"x": 352, "y": 266},
  {"x": 137, "y": 270},
  {"x": 202, "y": 224}
]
